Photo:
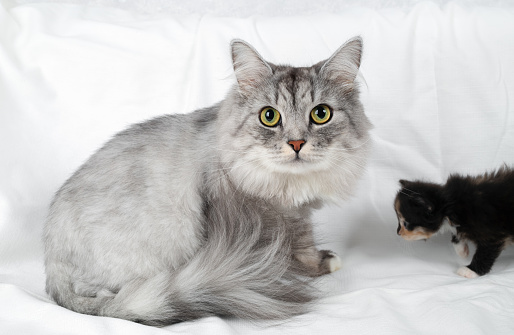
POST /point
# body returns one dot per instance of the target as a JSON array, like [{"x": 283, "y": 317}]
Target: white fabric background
[{"x": 438, "y": 84}]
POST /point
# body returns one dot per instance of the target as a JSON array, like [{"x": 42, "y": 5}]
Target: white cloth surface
[{"x": 438, "y": 85}]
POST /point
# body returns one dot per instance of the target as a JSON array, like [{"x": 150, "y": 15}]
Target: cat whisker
[
  {"x": 412, "y": 191},
  {"x": 346, "y": 162},
  {"x": 351, "y": 164},
  {"x": 352, "y": 148}
]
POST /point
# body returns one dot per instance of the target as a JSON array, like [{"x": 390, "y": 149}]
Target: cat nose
[{"x": 296, "y": 145}]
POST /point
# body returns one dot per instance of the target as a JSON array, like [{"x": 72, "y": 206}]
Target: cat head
[
  {"x": 294, "y": 134},
  {"x": 419, "y": 208}
]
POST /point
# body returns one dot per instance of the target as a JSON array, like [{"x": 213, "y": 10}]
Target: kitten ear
[
  {"x": 250, "y": 68},
  {"x": 404, "y": 182},
  {"x": 343, "y": 65},
  {"x": 423, "y": 202}
]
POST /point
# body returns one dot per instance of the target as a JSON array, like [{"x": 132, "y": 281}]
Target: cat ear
[
  {"x": 344, "y": 64},
  {"x": 250, "y": 68},
  {"x": 404, "y": 182},
  {"x": 423, "y": 202}
]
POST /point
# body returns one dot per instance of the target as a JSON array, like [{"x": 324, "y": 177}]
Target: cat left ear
[
  {"x": 403, "y": 182},
  {"x": 344, "y": 64},
  {"x": 425, "y": 203},
  {"x": 250, "y": 68}
]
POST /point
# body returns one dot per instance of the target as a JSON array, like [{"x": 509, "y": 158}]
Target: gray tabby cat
[{"x": 186, "y": 216}]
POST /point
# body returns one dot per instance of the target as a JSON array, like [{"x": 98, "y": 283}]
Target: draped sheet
[{"x": 437, "y": 82}]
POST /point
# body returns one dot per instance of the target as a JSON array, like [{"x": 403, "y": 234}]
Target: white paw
[
  {"x": 466, "y": 272},
  {"x": 334, "y": 262},
  {"x": 462, "y": 249}
]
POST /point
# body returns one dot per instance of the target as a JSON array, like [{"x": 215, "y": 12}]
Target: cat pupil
[
  {"x": 320, "y": 112},
  {"x": 270, "y": 114}
]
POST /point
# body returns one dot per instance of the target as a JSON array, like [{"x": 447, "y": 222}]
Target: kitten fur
[
  {"x": 479, "y": 209},
  {"x": 186, "y": 216}
]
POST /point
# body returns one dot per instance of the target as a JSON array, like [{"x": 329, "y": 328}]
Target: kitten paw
[
  {"x": 462, "y": 250},
  {"x": 466, "y": 272}
]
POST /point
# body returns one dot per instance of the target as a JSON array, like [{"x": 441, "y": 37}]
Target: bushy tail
[{"x": 244, "y": 270}]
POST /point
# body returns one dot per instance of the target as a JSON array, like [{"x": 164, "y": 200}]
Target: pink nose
[{"x": 297, "y": 145}]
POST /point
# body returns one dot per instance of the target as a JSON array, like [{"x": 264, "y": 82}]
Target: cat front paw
[
  {"x": 466, "y": 272},
  {"x": 331, "y": 261},
  {"x": 462, "y": 249}
]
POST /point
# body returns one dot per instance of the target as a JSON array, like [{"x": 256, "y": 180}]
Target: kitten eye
[
  {"x": 320, "y": 114},
  {"x": 270, "y": 117},
  {"x": 406, "y": 225}
]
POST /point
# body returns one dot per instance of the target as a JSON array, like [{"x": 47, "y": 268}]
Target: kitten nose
[{"x": 297, "y": 145}]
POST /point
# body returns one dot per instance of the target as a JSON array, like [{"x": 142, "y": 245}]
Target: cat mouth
[
  {"x": 418, "y": 233},
  {"x": 298, "y": 160},
  {"x": 294, "y": 158},
  {"x": 414, "y": 235}
]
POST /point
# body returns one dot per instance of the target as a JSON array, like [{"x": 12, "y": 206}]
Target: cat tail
[{"x": 242, "y": 271}]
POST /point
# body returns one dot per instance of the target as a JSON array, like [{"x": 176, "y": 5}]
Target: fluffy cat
[
  {"x": 479, "y": 209},
  {"x": 186, "y": 216}
]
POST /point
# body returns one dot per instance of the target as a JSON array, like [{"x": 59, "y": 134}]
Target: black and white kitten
[
  {"x": 479, "y": 209},
  {"x": 208, "y": 213}
]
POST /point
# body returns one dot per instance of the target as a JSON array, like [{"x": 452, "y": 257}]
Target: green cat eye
[
  {"x": 270, "y": 117},
  {"x": 320, "y": 114}
]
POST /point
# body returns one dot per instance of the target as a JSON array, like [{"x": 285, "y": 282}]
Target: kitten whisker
[{"x": 412, "y": 191}]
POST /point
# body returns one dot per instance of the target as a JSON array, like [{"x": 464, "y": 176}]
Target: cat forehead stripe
[{"x": 293, "y": 85}]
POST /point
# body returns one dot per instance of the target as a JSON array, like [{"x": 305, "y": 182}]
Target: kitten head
[
  {"x": 419, "y": 207},
  {"x": 295, "y": 134}
]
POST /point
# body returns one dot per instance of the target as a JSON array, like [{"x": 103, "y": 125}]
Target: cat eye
[
  {"x": 321, "y": 114},
  {"x": 270, "y": 117}
]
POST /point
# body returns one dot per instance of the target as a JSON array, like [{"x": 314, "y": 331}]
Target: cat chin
[
  {"x": 415, "y": 235},
  {"x": 297, "y": 167},
  {"x": 303, "y": 165},
  {"x": 294, "y": 183},
  {"x": 415, "y": 238}
]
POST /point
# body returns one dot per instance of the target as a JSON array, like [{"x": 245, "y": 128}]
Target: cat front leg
[
  {"x": 460, "y": 246},
  {"x": 314, "y": 262},
  {"x": 482, "y": 261},
  {"x": 311, "y": 261}
]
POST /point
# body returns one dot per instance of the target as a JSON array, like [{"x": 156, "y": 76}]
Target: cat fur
[
  {"x": 208, "y": 213},
  {"x": 479, "y": 209}
]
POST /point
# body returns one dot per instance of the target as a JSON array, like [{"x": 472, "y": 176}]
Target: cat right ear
[
  {"x": 343, "y": 66},
  {"x": 249, "y": 67}
]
